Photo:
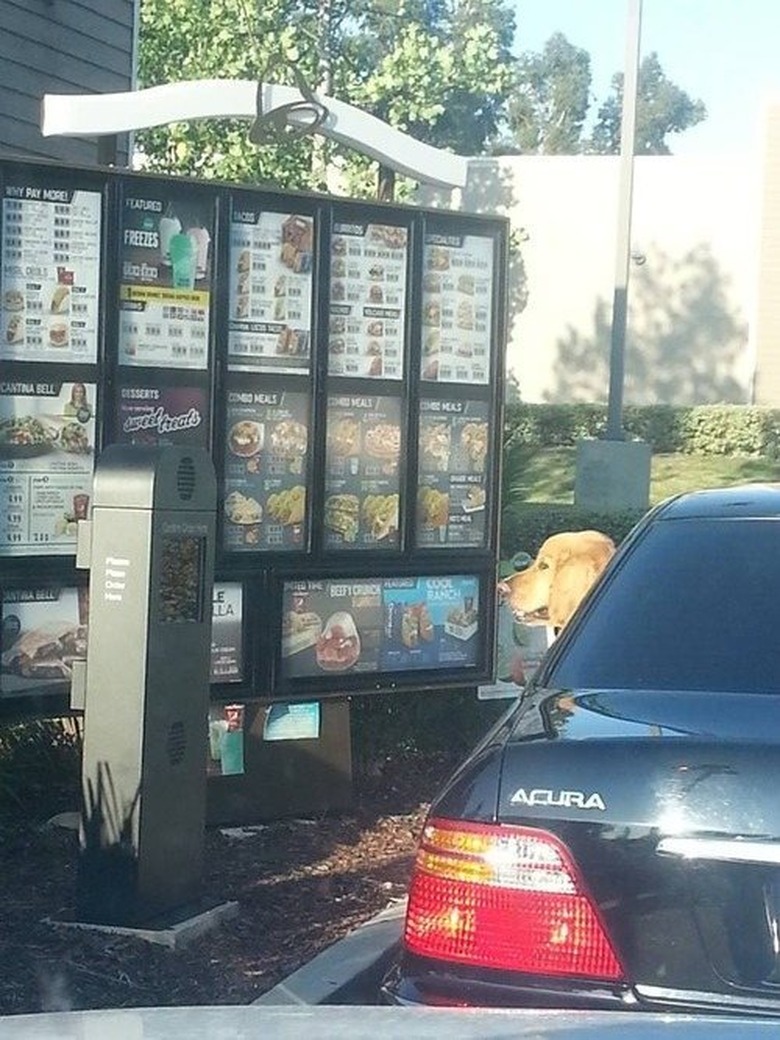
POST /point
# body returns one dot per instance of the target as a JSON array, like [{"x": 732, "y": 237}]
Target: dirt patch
[{"x": 300, "y": 885}]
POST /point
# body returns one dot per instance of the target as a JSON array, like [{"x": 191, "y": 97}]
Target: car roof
[{"x": 743, "y": 500}]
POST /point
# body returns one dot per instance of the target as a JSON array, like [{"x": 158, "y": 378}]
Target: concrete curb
[{"x": 345, "y": 966}]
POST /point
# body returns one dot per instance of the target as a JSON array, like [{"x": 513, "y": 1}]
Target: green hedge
[
  {"x": 524, "y": 526},
  {"x": 700, "y": 430}
]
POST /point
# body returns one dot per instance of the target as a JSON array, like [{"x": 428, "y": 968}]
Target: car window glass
[{"x": 694, "y": 606}]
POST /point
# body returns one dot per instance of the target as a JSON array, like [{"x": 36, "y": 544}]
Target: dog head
[{"x": 553, "y": 586}]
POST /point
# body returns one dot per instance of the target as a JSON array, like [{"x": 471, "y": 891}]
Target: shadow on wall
[
  {"x": 490, "y": 190},
  {"x": 685, "y": 342}
]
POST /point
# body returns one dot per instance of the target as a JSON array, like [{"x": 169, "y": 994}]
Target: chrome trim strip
[{"x": 724, "y": 850}]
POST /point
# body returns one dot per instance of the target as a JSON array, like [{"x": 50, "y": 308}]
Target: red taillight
[{"x": 506, "y": 898}]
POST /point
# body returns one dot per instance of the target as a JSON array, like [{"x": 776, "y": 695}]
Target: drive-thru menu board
[
  {"x": 368, "y": 275},
  {"x": 47, "y": 443},
  {"x": 340, "y": 359},
  {"x": 49, "y": 278},
  {"x": 265, "y": 466},
  {"x": 452, "y": 491},
  {"x": 362, "y": 482},
  {"x": 379, "y": 625},
  {"x": 165, "y": 279},
  {"x": 457, "y": 308},
  {"x": 270, "y": 279}
]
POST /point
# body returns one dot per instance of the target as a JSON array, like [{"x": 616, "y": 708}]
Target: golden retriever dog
[{"x": 553, "y": 586}]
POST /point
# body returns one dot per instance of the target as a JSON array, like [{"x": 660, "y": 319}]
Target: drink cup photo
[
  {"x": 169, "y": 226},
  {"x": 183, "y": 260},
  {"x": 200, "y": 242}
]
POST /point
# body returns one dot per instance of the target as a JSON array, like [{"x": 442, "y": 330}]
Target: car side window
[{"x": 694, "y": 606}]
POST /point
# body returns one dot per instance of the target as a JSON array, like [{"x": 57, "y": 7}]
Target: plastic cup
[{"x": 183, "y": 260}]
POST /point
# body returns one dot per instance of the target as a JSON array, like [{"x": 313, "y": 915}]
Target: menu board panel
[
  {"x": 269, "y": 329},
  {"x": 43, "y": 631},
  {"x": 227, "y": 645},
  {"x": 165, "y": 278},
  {"x": 452, "y": 486},
  {"x": 379, "y": 625},
  {"x": 457, "y": 316},
  {"x": 266, "y": 463},
  {"x": 50, "y": 274},
  {"x": 162, "y": 414},
  {"x": 47, "y": 444},
  {"x": 368, "y": 273},
  {"x": 362, "y": 481}
]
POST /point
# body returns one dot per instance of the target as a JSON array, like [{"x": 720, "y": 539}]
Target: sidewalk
[{"x": 344, "y": 971}]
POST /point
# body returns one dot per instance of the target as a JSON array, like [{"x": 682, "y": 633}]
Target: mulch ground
[{"x": 300, "y": 885}]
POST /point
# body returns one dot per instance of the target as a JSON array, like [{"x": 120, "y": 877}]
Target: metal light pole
[
  {"x": 614, "y": 473},
  {"x": 623, "y": 247}
]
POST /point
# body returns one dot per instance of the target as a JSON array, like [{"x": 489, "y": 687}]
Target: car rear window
[{"x": 694, "y": 606}]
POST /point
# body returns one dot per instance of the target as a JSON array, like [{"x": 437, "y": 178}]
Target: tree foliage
[
  {"x": 662, "y": 108},
  {"x": 441, "y": 72},
  {"x": 550, "y": 103}
]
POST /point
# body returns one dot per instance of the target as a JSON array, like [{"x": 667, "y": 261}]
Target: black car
[{"x": 614, "y": 842}]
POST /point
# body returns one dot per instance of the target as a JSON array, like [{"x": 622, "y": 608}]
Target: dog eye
[{"x": 543, "y": 566}]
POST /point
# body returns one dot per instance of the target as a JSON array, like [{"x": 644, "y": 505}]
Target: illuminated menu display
[
  {"x": 270, "y": 285},
  {"x": 50, "y": 274},
  {"x": 379, "y": 625},
  {"x": 362, "y": 488},
  {"x": 457, "y": 309},
  {"x": 165, "y": 280},
  {"x": 47, "y": 447},
  {"x": 452, "y": 489},
  {"x": 44, "y": 630},
  {"x": 266, "y": 452},
  {"x": 159, "y": 414},
  {"x": 368, "y": 273}
]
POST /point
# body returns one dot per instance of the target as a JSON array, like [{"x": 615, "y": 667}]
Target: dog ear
[{"x": 571, "y": 582}]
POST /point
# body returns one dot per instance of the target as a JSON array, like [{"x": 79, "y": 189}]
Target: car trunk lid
[{"x": 668, "y": 804}]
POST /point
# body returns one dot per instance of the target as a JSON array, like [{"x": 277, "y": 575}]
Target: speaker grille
[
  {"x": 185, "y": 479},
  {"x": 176, "y": 744}
]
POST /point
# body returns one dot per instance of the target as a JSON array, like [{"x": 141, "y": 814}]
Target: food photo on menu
[
  {"x": 266, "y": 448},
  {"x": 47, "y": 443},
  {"x": 44, "y": 630},
  {"x": 271, "y": 272},
  {"x": 382, "y": 624},
  {"x": 363, "y": 448}
]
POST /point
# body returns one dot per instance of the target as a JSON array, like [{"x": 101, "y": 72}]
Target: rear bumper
[{"x": 416, "y": 982}]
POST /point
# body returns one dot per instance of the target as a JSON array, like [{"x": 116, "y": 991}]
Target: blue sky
[{"x": 724, "y": 52}]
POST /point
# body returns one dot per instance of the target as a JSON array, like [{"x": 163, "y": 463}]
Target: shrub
[
  {"x": 697, "y": 430},
  {"x": 525, "y": 526}
]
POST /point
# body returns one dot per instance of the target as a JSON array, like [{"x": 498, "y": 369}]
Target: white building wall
[{"x": 694, "y": 226}]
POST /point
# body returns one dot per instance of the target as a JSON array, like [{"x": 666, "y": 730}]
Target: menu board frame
[{"x": 159, "y": 389}]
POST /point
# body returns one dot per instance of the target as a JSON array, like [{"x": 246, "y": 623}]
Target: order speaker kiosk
[{"x": 150, "y": 550}]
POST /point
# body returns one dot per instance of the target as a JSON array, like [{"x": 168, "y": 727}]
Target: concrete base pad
[
  {"x": 175, "y": 935},
  {"x": 612, "y": 475}
]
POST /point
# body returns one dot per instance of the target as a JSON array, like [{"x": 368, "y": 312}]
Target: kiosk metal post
[{"x": 150, "y": 550}]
